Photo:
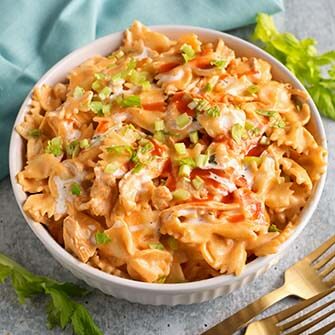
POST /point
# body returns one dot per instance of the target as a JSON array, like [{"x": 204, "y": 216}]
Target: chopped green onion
[
  {"x": 275, "y": 118},
  {"x": 180, "y": 148},
  {"x": 138, "y": 167},
  {"x": 100, "y": 76},
  {"x": 197, "y": 182},
  {"x": 238, "y": 133},
  {"x": 219, "y": 63},
  {"x": 55, "y": 146},
  {"x": 202, "y": 105},
  {"x": 131, "y": 64},
  {"x": 273, "y": 229},
  {"x": 183, "y": 120},
  {"x": 187, "y": 52},
  {"x": 72, "y": 149},
  {"x": 213, "y": 111},
  {"x": 172, "y": 243},
  {"x": 208, "y": 87},
  {"x": 250, "y": 159},
  {"x": 106, "y": 108},
  {"x": 97, "y": 85},
  {"x": 75, "y": 189},
  {"x": 102, "y": 238},
  {"x": 159, "y": 125},
  {"x": 159, "y": 136},
  {"x": 120, "y": 149},
  {"x": 181, "y": 194},
  {"x": 105, "y": 93},
  {"x": 161, "y": 280},
  {"x": 184, "y": 170},
  {"x": 158, "y": 246},
  {"x": 131, "y": 101},
  {"x": 201, "y": 160},
  {"x": 111, "y": 167},
  {"x": 139, "y": 79},
  {"x": 187, "y": 161},
  {"x": 248, "y": 125},
  {"x": 253, "y": 89},
  {"x": 194, "y": 137},
  {"x": 147, "y": 147},
  {"x": 78, "y": 92},
  {"x": 265, "y": 113},
  {"x": 84, "y": 144},
  {"x": 96, "y": 107},
  {"x": 34, "y": 133},
  {"x": 277, "y": 121}
]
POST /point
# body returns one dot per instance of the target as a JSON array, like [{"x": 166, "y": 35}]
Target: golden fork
[
  {"x": 277, "y": 323},
  {"x": 304, "y": 279}
]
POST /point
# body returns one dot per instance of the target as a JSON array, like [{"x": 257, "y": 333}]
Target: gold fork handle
[{"x": 242, "y": 317}]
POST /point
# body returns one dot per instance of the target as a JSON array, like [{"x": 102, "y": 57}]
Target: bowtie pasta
[{"x": 169, "y": 161}]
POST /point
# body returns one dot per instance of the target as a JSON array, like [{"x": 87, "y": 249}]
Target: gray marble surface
[{"x": 303, "y": 18}]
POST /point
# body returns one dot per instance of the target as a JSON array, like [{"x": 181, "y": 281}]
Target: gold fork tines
[
  {"x": 277, "y": 323},
  {"x": 304, "y": 279}
]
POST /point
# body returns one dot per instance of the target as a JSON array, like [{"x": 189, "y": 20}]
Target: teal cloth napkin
[{"x": 34, "y": 35}]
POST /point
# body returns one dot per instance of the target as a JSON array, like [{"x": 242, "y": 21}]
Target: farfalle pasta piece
[
  {"x": 47, "y": 98},
  {"x": 196, "y": 223},
  {"x": 79, "y": 235},
  {"x": 150, "y": 265},
  {"x": 40, "y": 207},
  {"x": 132, "y": 185},
  {"x": 151, "y": 39},
  {"x": 121, "y": 245}
]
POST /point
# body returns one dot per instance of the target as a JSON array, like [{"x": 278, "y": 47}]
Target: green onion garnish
[
  {"x": 131, "y": 101},
  {"x": 172, "y": 243},
  {"x": 96, "y": 107},
  {"x": 138, "y": 167},
  {"x": 158, "y": 246},
  {"x": 208, "y": 87},
  {"x": 181, "y": 194},
  {"x": 184, "y": 171},
  {"x": 187, "y": 52},
  {"x": 55, "y": 146},
  {"x": 111, "y": 167},
  {"x": 105, "y": 93},
  {"x": 273, "y": 229},
  {"x": 201, "y": 160},
  {"x": 180, "y": 148},
  {"x": 187, "y": 161},
  {"x": 250, "y": 159},
  {"x": 72, "y": 149},
  {"x": 75, "y": 189},
  {"x": 159, "y": 136},
  {"x": 197, "y": 183},
  {"x": 183, "y": 120},
  {"x": 238, "y": 133},
  {"x": 159, "y": 125},
  {"x": 84, "y": 144},
  {"x": 97, "y": 85},
  {"x": 78, "y": 92},
  {"x": 106, "y": 108},
  {"x": 100, "y": 76},
  {"x": 102, "y": 238},
  {"x": 147, "y": 147},
  {"x": 219, "y": 63},
  {"x": 34, "y": 133},
  {"x": 194, "y": 137},
  {"x": 253, "y": 89},
  {"x": 120, "y": 149}
]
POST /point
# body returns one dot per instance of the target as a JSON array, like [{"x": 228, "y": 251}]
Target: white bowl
[{"x": 147, "y": 293}]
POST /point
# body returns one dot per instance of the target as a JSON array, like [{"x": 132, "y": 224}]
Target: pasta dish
[{"x": 169, "y": 161}]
